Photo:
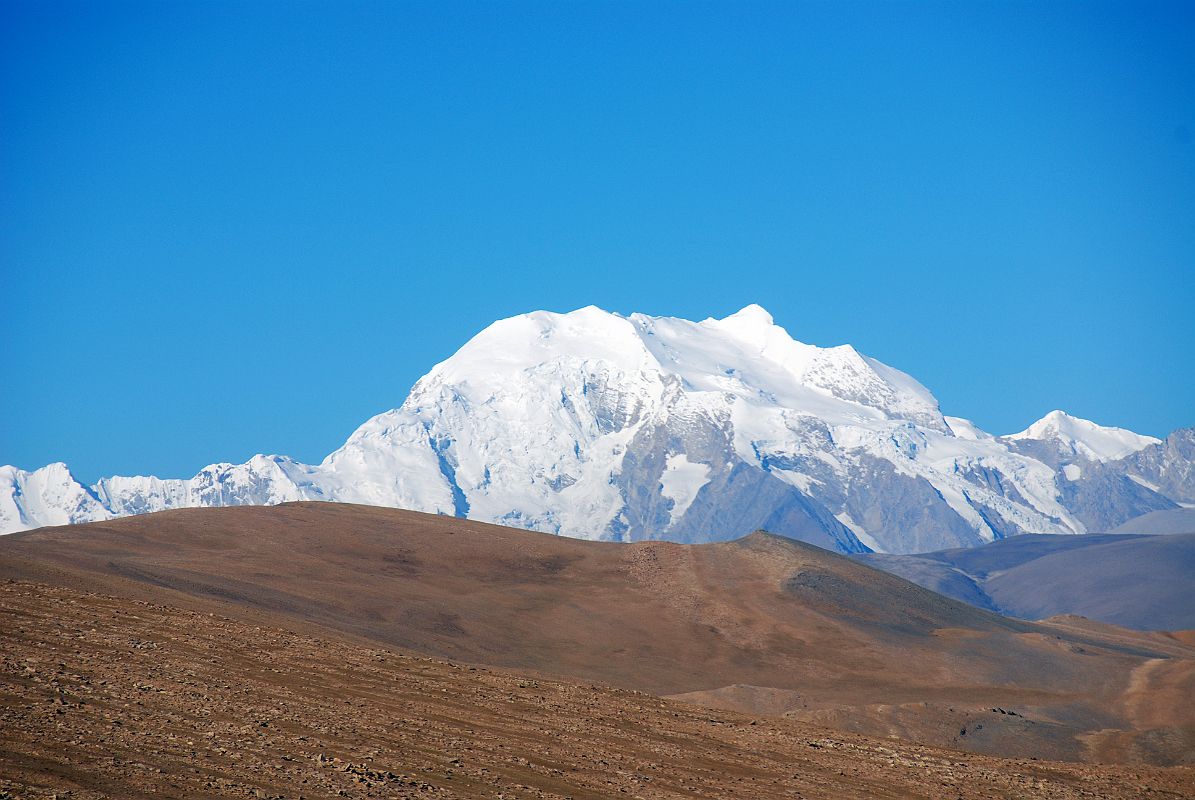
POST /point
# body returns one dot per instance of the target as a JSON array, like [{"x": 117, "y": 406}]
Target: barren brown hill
[
  {"x": 763, "y": 624},
  {"x": 109, "y": 697}
]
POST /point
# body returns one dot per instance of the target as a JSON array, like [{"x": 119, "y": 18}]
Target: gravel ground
[{"x": 111, "y": 697}]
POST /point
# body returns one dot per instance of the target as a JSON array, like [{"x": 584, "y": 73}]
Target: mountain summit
[
  {"x": 595, "y": 425},
  {"x": 1085, "y": 439}
]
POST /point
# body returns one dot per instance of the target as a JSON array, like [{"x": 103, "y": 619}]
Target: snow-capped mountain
[
  {"x": 595, "y": 425},
  {"x": 47, "y": 496},
  {"x": 1085, "y": 439}
]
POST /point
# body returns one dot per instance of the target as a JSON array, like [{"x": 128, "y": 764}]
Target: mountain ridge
[{"x": 597, "y": 425}]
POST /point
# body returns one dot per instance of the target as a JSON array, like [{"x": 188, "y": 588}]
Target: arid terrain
[
  {"x": 110, "y": 697},
  {"x": 310, "y": 649}
]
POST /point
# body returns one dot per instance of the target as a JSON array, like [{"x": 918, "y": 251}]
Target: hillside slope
[
  {"x": 108, "y": 697},
  {"x": 845, "y": 643}
]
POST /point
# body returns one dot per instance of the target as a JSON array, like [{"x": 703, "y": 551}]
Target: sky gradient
[{"x": 238, "y": 228}]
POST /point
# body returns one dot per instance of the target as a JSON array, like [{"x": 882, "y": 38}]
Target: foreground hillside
[
  {"x": 764, "y": 625},
  {"x": 109, "y": 697},
  {"x": 1142, "y": 582}
]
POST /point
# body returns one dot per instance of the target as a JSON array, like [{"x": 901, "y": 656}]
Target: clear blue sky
[{"x": 233, "y": 228}]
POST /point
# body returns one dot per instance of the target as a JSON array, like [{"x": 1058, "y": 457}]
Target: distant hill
[
  {"x": 1170, "y": 520},
  {"x": 815, "y": 635},
  {"x": 1138, "y": 581}
]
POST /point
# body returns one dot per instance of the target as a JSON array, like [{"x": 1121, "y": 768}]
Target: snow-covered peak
[
  {"x": 1085, "y": 438},
  {"x": 46, "y": 496},
  {"x": 750, "y": 322},
  {"x": 530, "y": 341},
  {"x": 530, "y": 423},
  {"x": 745, "y": 355},
  {"x": 753, "y": 312},
  {"x": 966, "y": 429}
]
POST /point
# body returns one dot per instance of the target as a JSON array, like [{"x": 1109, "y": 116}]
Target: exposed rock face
[{"x": 1168, "y": 465}]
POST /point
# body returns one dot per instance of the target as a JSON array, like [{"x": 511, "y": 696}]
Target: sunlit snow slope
[{"x": 595, "y": 425}]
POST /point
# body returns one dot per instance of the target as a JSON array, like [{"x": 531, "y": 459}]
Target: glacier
[{"x": 596, "y": 425}]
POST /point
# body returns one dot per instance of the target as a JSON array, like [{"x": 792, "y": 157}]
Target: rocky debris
[{"x": 219, "y": 708}]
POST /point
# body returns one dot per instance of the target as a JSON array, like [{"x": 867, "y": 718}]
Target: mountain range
[{"x": 595, "y": 425}]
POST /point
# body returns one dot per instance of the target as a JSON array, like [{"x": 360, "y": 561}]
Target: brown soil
[
  {"x": 764, "y": 625},
  {"x": 110, "y": 697}
]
